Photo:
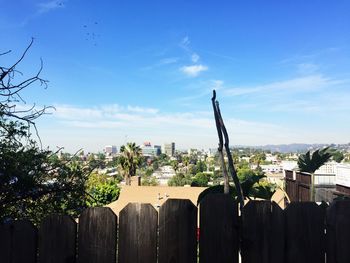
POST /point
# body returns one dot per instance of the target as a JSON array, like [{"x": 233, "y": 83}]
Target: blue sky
[{"x": 144, "y": 70}]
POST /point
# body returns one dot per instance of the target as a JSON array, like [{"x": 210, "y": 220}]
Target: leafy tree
[
  {"x": 102, "y": 191},
  {"x": 252, "y": 183},
  {"x": 338, "y": 156},
  {"x": 155, "y": 164},
  {"x": 180, "y": 180},
  {"x": 33, "y": 182},
  {"x": 149, "y": 171},
  {"x": 201, "y": 179},
  {"x": 201, "y": 166},
  {"x": 149, "y": 181},
  {"x": 175, "y": 165},
  {"x": 186, "y": 162},
  {"x": 310, "y": 163},
  {"x": 129, "y": 160},
  {"x": 258, "y": 158}
]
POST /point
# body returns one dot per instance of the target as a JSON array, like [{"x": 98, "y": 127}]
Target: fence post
[
  {"x": 18, "y": 242},
  {"x": 138, "y": 234},
  {"x": 177, "y": 232},
  {"x": 219, "y": 237},
  {"x": 305, "y": 236},
  {"x": 262, "y": 232},
  {"x": 338, "y": 232},
  {"x": 57, "y": 239},
  {"x": 97, "y": 234}
]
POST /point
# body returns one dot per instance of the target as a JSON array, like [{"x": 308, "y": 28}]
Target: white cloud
[
  {"x": 142, "y": 110},
  {"x": 301, "y": 84},
  {"x": 195, "y": 57},
  {"x": 187, "y": 129},
  {"x": 93, "y": 127},
  {"x": 194, "y": 70}
]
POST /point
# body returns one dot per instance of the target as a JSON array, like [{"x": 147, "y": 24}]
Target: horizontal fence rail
[{"x": 264, "y": 233}]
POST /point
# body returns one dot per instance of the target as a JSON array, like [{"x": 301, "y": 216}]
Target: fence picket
[
  {"x": 5, "y": 243},
  {"x": 219, "y": 238},
  {"x": 97, "y": 234},
  {"x": 57, "y": 239},
  {"x": 305, "y": 237},
  {"x": 18, "y": 242},
  {"x": 177, "y": 232},
  {"x": 338, "y": 232},
  {"x": 138, "y": 234},
  {"x": 268, "y": 234},
  {"x": 262, "y": 233}
]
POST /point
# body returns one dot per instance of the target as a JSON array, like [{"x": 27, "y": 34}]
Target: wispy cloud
[
  {"x": 300, "y": 84},
  {"x": 185, "y": 43},
  {"x": 195, "y": 57},
  {"x": 193, "y": 70},
  {"x": 166, "y": 61},
  {"x": 77, "y": 127},
  {"x": 307, "y": 68},
  {"x": 45, "y": 7},
  {"x": 136, "y": 118}
]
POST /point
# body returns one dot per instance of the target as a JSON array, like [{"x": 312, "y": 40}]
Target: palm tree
[
  {"x": 185, "y": 162},
  {"x": 310, "y": 163},
  {"x": 129, "y": 160}
]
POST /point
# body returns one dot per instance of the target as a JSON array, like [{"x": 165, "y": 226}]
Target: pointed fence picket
[
  {"x": 138, "y": 234},
  {"x": 303, "y": 232},
  {"x": 57, "y": 239},
  {"x": 97, "y": 236},
  {"x": 178, "y": 232}
]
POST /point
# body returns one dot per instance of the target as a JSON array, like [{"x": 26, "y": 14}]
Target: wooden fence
[
  {"x": 264, "y": 233},
  {"x": 298, "y": 189}
]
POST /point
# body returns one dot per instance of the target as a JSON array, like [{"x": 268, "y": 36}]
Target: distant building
[
  {"x": 148, "y": 150},
  {"x": 110, "y": 149},
  {"x": 169, "y": 149},
  {"x": 158, "y": 149}
]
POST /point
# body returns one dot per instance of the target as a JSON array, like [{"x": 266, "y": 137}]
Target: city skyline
[{"x": 127, "y": 71}]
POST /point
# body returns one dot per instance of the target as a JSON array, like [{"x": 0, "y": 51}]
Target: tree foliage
[
  {"x": 311, "y": 162},
  {"x": 129, "y": 160},
  {"x": 33, "y": 181},
  {"x": 201, "y": 180},
  {"x": 252, "y": 183},
  {"x": 102, "y": 189},
  {"x": 180, "y": 180}
]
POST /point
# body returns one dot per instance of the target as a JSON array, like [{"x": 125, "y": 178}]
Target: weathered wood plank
[
  {"x": 277, "y": 234},
  {"x": 97, "y": 234},
  {"x": 305, "y": 237},
  {"x": 262, "y": 233},
  {"x": 338, "y": 232},
  {"x": 219, "y": 237},
  {"x": 5, "y": 242},
  {"x": 57, "y": 239},
  {"x": 177, "y": 232},
  {"x": 138, "y": 234},
  {"x": 21, "y": 242}
]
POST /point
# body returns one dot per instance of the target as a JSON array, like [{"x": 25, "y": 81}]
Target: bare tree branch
[
  {"x": 231, "y": 167},
  {"x": 10, "y": 92},
  {"x": 221, "y": 154}
]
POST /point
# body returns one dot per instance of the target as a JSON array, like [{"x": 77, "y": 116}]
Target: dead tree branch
[
  {"x": 221, "y": 154},
  {"x": 224, "y": 133},
  {"x": 10, "y": 93}
]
